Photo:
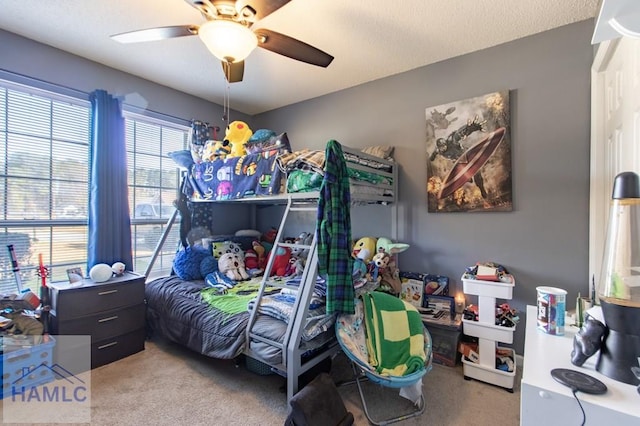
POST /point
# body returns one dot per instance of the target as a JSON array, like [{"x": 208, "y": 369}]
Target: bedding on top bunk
[
  {"x": 276, "y": 172},
  {"x": 305, "y": 170},
  {"x": 236, "y": 177}
]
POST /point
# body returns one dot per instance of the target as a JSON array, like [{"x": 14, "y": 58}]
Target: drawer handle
[
  {"x": 103, "y": 293},
  {"x": 107, "y": 345},
  {"x": 108, "y": 319}
]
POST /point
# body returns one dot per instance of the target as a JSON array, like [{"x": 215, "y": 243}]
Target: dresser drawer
[
  {"x": 91, "y": 298},
  {"x": 115, "y": 348},
  {"x": 103, "y": 324}
]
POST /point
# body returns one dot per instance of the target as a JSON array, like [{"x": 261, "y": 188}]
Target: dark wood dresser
[{"x": 112, "y": 313}]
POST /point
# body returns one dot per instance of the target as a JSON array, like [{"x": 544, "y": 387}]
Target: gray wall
[{"x": 544, "y": 240}]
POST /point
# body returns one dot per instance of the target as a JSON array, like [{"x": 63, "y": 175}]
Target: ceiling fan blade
[
  {"x": 261, "y": 8},
  {"x": 292, "y": 48},
  {"x": 153, "y": 34},
  {"x": 233, "y": 71}
]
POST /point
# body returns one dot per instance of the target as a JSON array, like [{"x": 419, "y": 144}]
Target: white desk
[{"x": 545, "y": 401}]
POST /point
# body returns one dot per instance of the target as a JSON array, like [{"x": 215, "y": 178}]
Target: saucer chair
[{"x": 349, "y": 332}]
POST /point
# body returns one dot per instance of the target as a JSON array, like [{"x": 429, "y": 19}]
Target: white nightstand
[{"x": 545, "y": 401}]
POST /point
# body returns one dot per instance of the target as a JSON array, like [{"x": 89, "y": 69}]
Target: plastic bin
[
  {"x": 497, "y": 377},
  {"x": 28, "y": 366},
  {"x": 498, "y": 290},
  {"x": 488, "y": 331},
  {"x": 445, "y": 342}
]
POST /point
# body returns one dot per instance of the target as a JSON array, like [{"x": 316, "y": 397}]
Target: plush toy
[
  {"x": 208, "y": 265},
  {"x": 381, "y": 261},
  {"x": 270, "y": 235},
  {"x": 251, "y": 259},
  {"x": 260, "y": 251},
  {"x": 214, "y": 150},
  {"x": 268, "y": 238},
  {"x": 233, "y": 267},
  {"x": 390, "y": 276},
  {"x": 304, "y": 238},
  {"x": 186, "y": 263},
  {"x": 221, "y": 247},
  {"x": 359, "y": 265},
  {"x": 368, "y": 243},
  {"x": 384, "y": 244},
  {"x": 281, "y": 261},
  {"x": 118, "y": 268},
  {"x": 237, "y": 135},
  {"x": 259, "y": 140}
]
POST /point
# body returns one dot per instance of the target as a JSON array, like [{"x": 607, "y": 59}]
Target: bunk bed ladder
[{"x": 292, "y": 365}]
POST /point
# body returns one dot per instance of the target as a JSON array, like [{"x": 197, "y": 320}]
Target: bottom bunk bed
[{"x": 178, "y": 310}]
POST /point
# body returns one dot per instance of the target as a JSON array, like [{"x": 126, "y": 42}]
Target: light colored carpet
[{"x": 169, "y": 385}]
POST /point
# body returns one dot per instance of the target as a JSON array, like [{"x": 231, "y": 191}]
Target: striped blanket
[{"x": 395, "y": 335}]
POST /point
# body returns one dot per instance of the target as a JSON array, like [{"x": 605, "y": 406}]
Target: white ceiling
[{"x": 369, "y": 39}]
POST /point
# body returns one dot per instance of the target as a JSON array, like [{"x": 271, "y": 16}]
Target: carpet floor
[{"x": 169, "y": 385}]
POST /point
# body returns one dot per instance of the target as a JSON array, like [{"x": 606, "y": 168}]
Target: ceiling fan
[{"x": 227, "y": 34}]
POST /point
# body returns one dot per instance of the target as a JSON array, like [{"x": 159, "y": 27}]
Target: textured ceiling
[{"x": 369, "y": 40}]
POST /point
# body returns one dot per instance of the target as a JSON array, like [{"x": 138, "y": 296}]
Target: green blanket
[
  {"x": 236, "y": 299},
  {"x": 395, "y": 335}
]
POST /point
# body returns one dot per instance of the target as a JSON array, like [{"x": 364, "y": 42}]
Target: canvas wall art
[{"x": 469, "y": 155}]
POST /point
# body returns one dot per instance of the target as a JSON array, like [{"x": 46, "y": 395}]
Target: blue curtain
[{"x": 109, "y": 221}]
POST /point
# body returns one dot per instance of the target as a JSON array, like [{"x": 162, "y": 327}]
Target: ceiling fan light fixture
[{"x": 228, "y": 40}]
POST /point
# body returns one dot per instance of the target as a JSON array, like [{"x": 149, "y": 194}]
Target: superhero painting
[{"x": 469, "y": 155}]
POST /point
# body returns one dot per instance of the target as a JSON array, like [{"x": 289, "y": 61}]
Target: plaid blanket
[{"x": 395, "y": 335}]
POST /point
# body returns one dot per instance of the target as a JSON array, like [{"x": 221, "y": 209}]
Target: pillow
[
  {"x": 187, "y": 262},
  {"x": 380, "y": 151},
  {"x": 253, "y": 233},
  {"x": 223, "y": 247}
]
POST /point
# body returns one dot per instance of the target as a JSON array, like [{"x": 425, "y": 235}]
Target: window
[
  {"x": 154, "y": 180},
  {"x": 44, "y": 149},
  {"x": 44, "y": 182}
]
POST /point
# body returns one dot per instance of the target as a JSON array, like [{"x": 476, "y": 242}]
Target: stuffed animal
[
  {"x": 259, "y": 140},
  {"x": 359, "y": 272},
  {"x": 384, "y": 244},
  {"x": 186, "y": 263},
  {"x": 381, "y": 260},
  {"x": 260, "y": 251},
  {"x": 281, "y": 261},
  {"x": 377, "y": 266},
  {"x": 359, "y": 265},
  {"x": 237, "y": 135},
  {"x": 214, "y": 150},
  {"x": 233, "y": 267},
  {"x": 390, "y": 276},
  {"x": 368, "y": 243},
  {"x": 251, "y": 259},
  {"x": 221, "y": 247},
  {"x": 304, "y": 238}
]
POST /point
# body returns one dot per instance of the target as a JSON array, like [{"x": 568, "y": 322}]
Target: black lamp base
[{"x": 621, "y": 347}]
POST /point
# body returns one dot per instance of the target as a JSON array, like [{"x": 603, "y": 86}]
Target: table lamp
[{"x": 619, "y": 286}]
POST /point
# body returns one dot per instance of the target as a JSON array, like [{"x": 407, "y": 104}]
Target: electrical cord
[{"x": 574, "y": 391}]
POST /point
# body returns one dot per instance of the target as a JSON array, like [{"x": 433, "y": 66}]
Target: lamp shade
[{"x": 228, "y": 40}]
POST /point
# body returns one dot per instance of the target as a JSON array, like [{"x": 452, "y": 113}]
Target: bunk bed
[{"x": 288, "y": 339}]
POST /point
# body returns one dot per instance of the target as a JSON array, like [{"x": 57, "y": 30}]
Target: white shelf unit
[{"x": 488, "y": 333}]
